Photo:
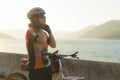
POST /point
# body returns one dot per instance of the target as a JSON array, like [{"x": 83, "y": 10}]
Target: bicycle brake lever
[
  {"x": 77, "y": 57},
  {"x": 74, "y": 56}
]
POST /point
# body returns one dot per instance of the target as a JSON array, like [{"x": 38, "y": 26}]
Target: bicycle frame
[{"x": 61, "y": 71}]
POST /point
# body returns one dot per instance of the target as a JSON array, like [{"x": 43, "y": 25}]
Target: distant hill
[
  {"x": 15, "y": 33},
  {"x": 62, "y": 35},
  {"x": 107, "y": 30},
  {"x": 77, "y": 34},
  {"x": 5, "y": 36}
]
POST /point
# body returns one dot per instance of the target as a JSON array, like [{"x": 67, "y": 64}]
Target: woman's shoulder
[{"x": 29, "y": 31}]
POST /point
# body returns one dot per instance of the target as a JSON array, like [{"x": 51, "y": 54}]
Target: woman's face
[{"x": 42, "y": 21}]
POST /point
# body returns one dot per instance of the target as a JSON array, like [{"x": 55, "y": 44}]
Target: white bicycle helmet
[{"x": 35, "y": 12}]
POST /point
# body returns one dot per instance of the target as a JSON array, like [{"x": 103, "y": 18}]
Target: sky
[{"x": 62, "y": 15}]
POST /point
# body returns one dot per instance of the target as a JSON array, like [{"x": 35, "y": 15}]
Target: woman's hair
[
  {"x": 33, "y": 16},
  {"x": 30, "y": 25},
  {"x": 34, "y": 23}
]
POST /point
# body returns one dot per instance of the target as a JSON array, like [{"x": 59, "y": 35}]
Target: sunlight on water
[
  {"x": 98, "y": 50},
  {"x": 12, "y": 46}
]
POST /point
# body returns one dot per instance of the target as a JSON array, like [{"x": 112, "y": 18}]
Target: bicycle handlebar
[
  {"x": 74, "y": 55},
  {"x": 60, "y": 56}
]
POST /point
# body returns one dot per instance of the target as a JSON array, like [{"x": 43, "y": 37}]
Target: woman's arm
[
  {"x": 52, "y": 41},
  {"x": 42, "y": 39}
]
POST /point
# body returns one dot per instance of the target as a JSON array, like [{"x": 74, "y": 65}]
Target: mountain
[
  {"x": 62, "y": 35},
  {"x": 107, "y": 30},
  {"x": 5, "y": 36},
  {"x": 16, "y": 33},
  {"x": 82, "y": 32}
]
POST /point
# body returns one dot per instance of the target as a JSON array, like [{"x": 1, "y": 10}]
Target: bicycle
[
  {"x": 56, "y": 66},
  {"x": 62, "y": 71}
]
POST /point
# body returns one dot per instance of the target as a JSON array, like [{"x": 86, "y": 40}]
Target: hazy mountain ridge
[
  {"x": 15, "y": 33},
  {"x": 5, "y": 36},
  {"x": 107, "y": 30}
]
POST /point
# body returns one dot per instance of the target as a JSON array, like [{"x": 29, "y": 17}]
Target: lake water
[{"x": 98, "y": 50}]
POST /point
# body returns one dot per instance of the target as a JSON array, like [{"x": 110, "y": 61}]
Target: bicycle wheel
[{"x": 16, "y": 76}]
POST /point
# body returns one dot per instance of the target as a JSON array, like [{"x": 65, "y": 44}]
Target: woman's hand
[
  {"x": 51, "y": 40},
  {"x": 47, "y": 28}
]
